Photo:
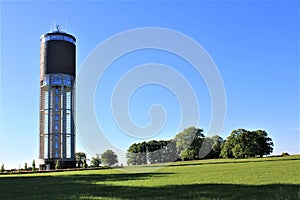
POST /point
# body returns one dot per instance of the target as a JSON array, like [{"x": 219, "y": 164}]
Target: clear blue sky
[{"x": 255, "y": 45}]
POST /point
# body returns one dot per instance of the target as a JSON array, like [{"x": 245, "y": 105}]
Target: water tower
[{"x": 57, "y": 100}]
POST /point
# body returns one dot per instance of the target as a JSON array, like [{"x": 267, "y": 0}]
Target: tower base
[{"x": 49, "y": 164}]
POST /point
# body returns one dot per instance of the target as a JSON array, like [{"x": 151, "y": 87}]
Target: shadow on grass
[{"x": 100, "y": 186}]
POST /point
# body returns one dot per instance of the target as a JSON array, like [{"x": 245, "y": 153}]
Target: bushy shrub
[{"x": 285, "y": 154}]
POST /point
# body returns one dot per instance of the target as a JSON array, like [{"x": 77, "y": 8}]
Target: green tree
[
  {"x": 80, "y": 159},
  {"x": 131, "y": 155},
  {"x": 33, "y": 165},
  {"x": 226, "y": 149},
  {"x": 188, "y": 154},
  {"x": 265, "y": 143},
  {"x": 109, "y": 158},
  {"x": 142, "y": 149},
  {"x": 243, "y": 144},
  {"x": 2, "y": 168},
  {"x": 96, "y": 161},
  {"x": 57, "y": 165},
  {"x": 137, "y": 154},
  {"x": 285, "y": 154},
  {"x": 84, "y": 165},
  {"x": 228, "y": 145},
  {"x": 160, "y": 151},
  {"x": 25, "y": 166},
  {"x": 211, "y": 147},
  {"x": 152, "y": 152},
  {"x": 170, "y": 152},
  {"x": 216, "y": 148},
  {"x": 189, "y": 139}
]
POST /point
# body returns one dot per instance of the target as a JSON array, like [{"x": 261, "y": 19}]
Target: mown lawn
[{"x": 260, "y": 178}]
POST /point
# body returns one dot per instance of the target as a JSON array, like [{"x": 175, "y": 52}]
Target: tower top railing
[{"x": 58, "y": 36}]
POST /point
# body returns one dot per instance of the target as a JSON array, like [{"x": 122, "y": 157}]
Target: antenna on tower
[
  {"x": 66, "y": 24},
  {"x": 54, "y": 24},
  {"x": 58, "y": 27},
  {"x": 51, "y": 27}
]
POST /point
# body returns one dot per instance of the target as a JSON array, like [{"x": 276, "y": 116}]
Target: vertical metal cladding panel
[{"x": 57, "y": 56}]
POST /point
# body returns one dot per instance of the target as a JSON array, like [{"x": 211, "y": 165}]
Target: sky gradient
[{"x": 254, "y": 44}]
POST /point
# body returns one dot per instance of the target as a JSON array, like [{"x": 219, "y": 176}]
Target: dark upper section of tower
[{"x": 57, "y": 54}]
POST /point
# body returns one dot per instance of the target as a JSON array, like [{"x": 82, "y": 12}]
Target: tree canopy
[
  {"x": 109, "y": 158},
  {"x": 33, "y": 165},
  {"x": 186, "y": 145},
  {"x": 81, "y": 159},
  {"x": 243, "y": 144},
  {"x": 96, "y": 161},
  {"x": 191, "y": 144},
  {"x": 152, "y": 152}
]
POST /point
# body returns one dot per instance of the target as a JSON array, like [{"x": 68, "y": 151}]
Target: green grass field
[{"x": 259, "y": 178}]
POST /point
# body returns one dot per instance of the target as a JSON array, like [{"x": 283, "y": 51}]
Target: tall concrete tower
[{"x": 57, "y": 103}]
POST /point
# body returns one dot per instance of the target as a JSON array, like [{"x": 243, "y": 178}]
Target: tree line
[
  {"x": 26, "y": 168},
  {"x": 108, "y": 158},
  {"x": 192, "y": 144}
]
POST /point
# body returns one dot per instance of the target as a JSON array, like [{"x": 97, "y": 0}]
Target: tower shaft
[{"x": 57, "y": 100}]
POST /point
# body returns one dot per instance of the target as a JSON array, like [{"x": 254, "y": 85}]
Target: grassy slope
[{"x": 267, "y": 178}]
